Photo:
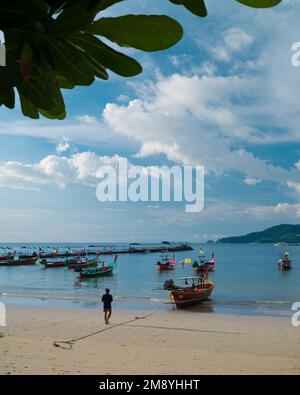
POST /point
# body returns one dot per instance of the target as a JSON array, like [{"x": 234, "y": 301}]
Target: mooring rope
[{"x": 69, "y": 343}]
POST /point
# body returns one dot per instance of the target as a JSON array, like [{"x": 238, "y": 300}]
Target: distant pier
[{"x": 101, "y": 249}]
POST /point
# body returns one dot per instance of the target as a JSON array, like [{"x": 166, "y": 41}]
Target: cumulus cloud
[
  {"x": 197, "y": 121},
  {"x": 55, "y": 170}
]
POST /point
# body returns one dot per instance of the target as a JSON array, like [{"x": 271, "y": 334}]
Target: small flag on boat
[{"x": 186, "y": 260}]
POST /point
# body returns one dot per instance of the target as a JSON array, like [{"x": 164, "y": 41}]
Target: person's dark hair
[{"x": 107, "y": 290}]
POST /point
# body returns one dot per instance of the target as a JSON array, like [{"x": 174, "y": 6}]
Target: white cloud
[
  {"x": 222, "y": 213},
  {"x": 251, "y": 181},
  {"x": 280, "y": 210},
  {"x": 180, "y": 60},
  {"x": 294, "y": 185},
  {"x": 197, "y": 120},
  {"x": 88, "y": 119},
  {"x": 79, "y": 168},
  {"x": 84, "y": 131},
  {"x": 63, "y": 146},
  {"x": 235, "y": 40}
]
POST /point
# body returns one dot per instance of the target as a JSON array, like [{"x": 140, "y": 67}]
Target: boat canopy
[{"x": 187, "y": 278}]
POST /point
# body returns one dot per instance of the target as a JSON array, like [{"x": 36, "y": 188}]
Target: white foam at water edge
[{"x": 156, "y": 300}]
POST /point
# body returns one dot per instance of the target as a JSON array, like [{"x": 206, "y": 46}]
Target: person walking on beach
[{"x": 107, "y": 300}]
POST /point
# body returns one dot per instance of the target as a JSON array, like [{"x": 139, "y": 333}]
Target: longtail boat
[
  {"x": 188, "y": 295},
  {"x": 19, "y": 262},
  {"x": 53, "y": 264},
  {"x": 80, "y": 264},
  {"x": 102, "y": 269},
  {"x": 28, "y": 256},
  {"x": 7, "y": 257},
  {"x": 166, "y": 263},
  {"x": 28, "y": 261},
  {"x": 204, "y": 264},
  {"x": 284, "y": 262}
]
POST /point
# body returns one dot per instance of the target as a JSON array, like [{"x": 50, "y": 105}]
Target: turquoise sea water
[{"x": 247, "y": 281}]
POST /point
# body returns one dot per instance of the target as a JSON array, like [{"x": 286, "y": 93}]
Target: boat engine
[{"x": 169, "y": 285}]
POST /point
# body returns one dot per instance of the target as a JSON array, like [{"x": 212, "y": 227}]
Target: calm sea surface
[{"x": 247, "y": 281}]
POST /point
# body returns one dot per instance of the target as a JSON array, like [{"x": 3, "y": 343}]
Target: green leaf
[
  {"x": 26, "y": 58},
  {"x": 106, "y": 56},
  {"x": 43, "y": 6},
  {"x": 49, "y": 81},
  {"x": 259, "y": 3},
  {"x": 70, "y": 21},
  {"x": 9, "y": 98},
  {"x": 70, "y": 62},
  {"x": 28, "y": 109},
  {"x": 19, "y": 13},
  {"x": 34, "y": 91},
  {"x": 197, "y": 7},
  {"x": 145, "y": 32},
  {"x": 63, "y": 82},
  {"x": 53, "y": 114},
  {"x": 98, "y": 69}
]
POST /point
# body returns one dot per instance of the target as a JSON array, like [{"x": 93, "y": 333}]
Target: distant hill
[{"x": 280, "y": 233}]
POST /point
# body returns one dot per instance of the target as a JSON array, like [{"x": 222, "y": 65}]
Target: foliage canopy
[{"x": 58, "y": 44}]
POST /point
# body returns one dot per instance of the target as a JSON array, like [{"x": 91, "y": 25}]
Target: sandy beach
[{"x": 172, "y": 342}]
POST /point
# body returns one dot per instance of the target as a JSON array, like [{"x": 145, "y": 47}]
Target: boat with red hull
[
  {"x": 166, "y": 263},
  {"x": 54, "y": 264},
  {"x": 19, "y": 262},
  {"x": 204, "y": 265},
  {"x": 7, "y": 257},
  {"x": 50, "y": 265}
]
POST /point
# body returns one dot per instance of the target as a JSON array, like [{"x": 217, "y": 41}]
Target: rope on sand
[{"x": 68, "y": 344}]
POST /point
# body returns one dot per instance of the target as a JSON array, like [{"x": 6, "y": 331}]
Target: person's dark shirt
[{"x": 107, "y": 300}]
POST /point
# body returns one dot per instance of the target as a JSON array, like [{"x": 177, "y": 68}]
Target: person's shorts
[{"x": 107, "y": 309}]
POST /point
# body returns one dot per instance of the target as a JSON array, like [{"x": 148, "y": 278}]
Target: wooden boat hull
[
  {"x": 6, "y": 257},
  {"x": 28, "y": 261},
  {"x": 96, "y": 273},
  {"x": 162, "y": 268},
  {"x": 185, "y": 297},
  {"x": 55, "y": 265},
  {"x": 284, "y": 267},
  {"x": 20, "y": 262},
  {"x": 31, "y": 256},
  {"x": 202, "y": 269},
  {"x": 77, "y": 266}
]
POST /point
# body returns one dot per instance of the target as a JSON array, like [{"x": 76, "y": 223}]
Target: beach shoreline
[
  {"x": 158, "y": 342},
  {"x": 133, "y": 303}
]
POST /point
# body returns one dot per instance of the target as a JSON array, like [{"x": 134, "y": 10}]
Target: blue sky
[{"x": 226, "y": 97}]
